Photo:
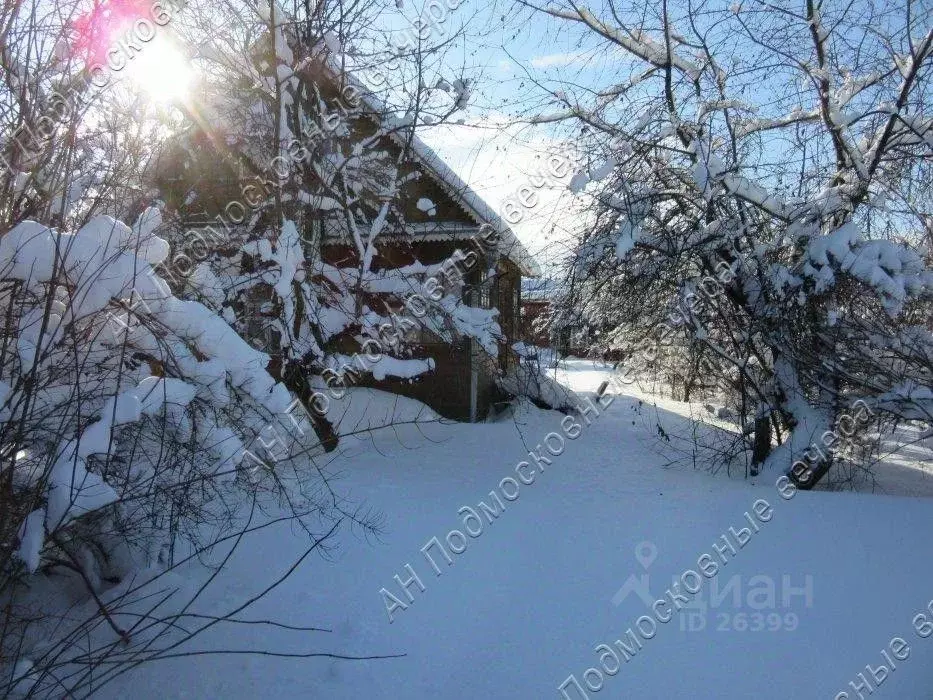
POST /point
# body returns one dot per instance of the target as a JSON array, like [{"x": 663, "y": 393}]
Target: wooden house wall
[{"x": 448, "y": 389}]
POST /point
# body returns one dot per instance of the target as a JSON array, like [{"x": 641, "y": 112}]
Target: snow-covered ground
[{"x": 574, "y": 561}]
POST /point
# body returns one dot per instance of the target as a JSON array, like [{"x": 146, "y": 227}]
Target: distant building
[{"x": 536, "y": 297}]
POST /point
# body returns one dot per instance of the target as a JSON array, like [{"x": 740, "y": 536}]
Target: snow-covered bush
[
  {"x": 129, "y": 420},
  {"x": 529, "y": 378}
]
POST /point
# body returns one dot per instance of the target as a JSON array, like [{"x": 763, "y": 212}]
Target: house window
[{"x": 484, "y": 296}]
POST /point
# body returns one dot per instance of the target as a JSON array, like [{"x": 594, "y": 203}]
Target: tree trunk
[
  {"x": 295, "y": 379},
  {"x": 762, "y": 444}
]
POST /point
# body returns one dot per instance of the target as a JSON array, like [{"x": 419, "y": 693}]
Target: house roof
[{"x": 474, "y": 205}]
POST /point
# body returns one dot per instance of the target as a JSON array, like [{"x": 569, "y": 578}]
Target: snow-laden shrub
[
  {"x": 528, "y": 379},
  {"x": 129, "y": 424}
]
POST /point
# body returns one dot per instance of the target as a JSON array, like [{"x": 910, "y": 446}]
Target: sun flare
[{"x": 162, "y": 72}]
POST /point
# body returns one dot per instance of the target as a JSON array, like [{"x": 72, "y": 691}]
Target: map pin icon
[{"x": 646, "y": 553}]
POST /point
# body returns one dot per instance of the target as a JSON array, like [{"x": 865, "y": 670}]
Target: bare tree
[
  {"x": 772, "y": 162},
  {"x": 129, "y": 417}
]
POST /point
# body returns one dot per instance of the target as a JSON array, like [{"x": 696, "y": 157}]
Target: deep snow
[{"x": 528, "y": 601}]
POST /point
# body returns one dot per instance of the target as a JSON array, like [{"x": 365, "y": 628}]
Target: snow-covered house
[
  {"x": 439, "y": 214},
  {"x": 445, "y": 215}
]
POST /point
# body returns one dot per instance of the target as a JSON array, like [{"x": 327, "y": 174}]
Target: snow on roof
[
  {"x": 509, "y": 244},
  {"x": 476, "y": 206}
]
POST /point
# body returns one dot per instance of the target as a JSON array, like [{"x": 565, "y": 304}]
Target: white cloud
[{"x": 553, "y": 60}]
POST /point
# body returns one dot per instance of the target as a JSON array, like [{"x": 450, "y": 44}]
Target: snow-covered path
[{"x": 526, "y": 603}]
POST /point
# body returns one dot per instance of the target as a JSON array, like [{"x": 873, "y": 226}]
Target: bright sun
[{"x": 162, "y": 71}]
